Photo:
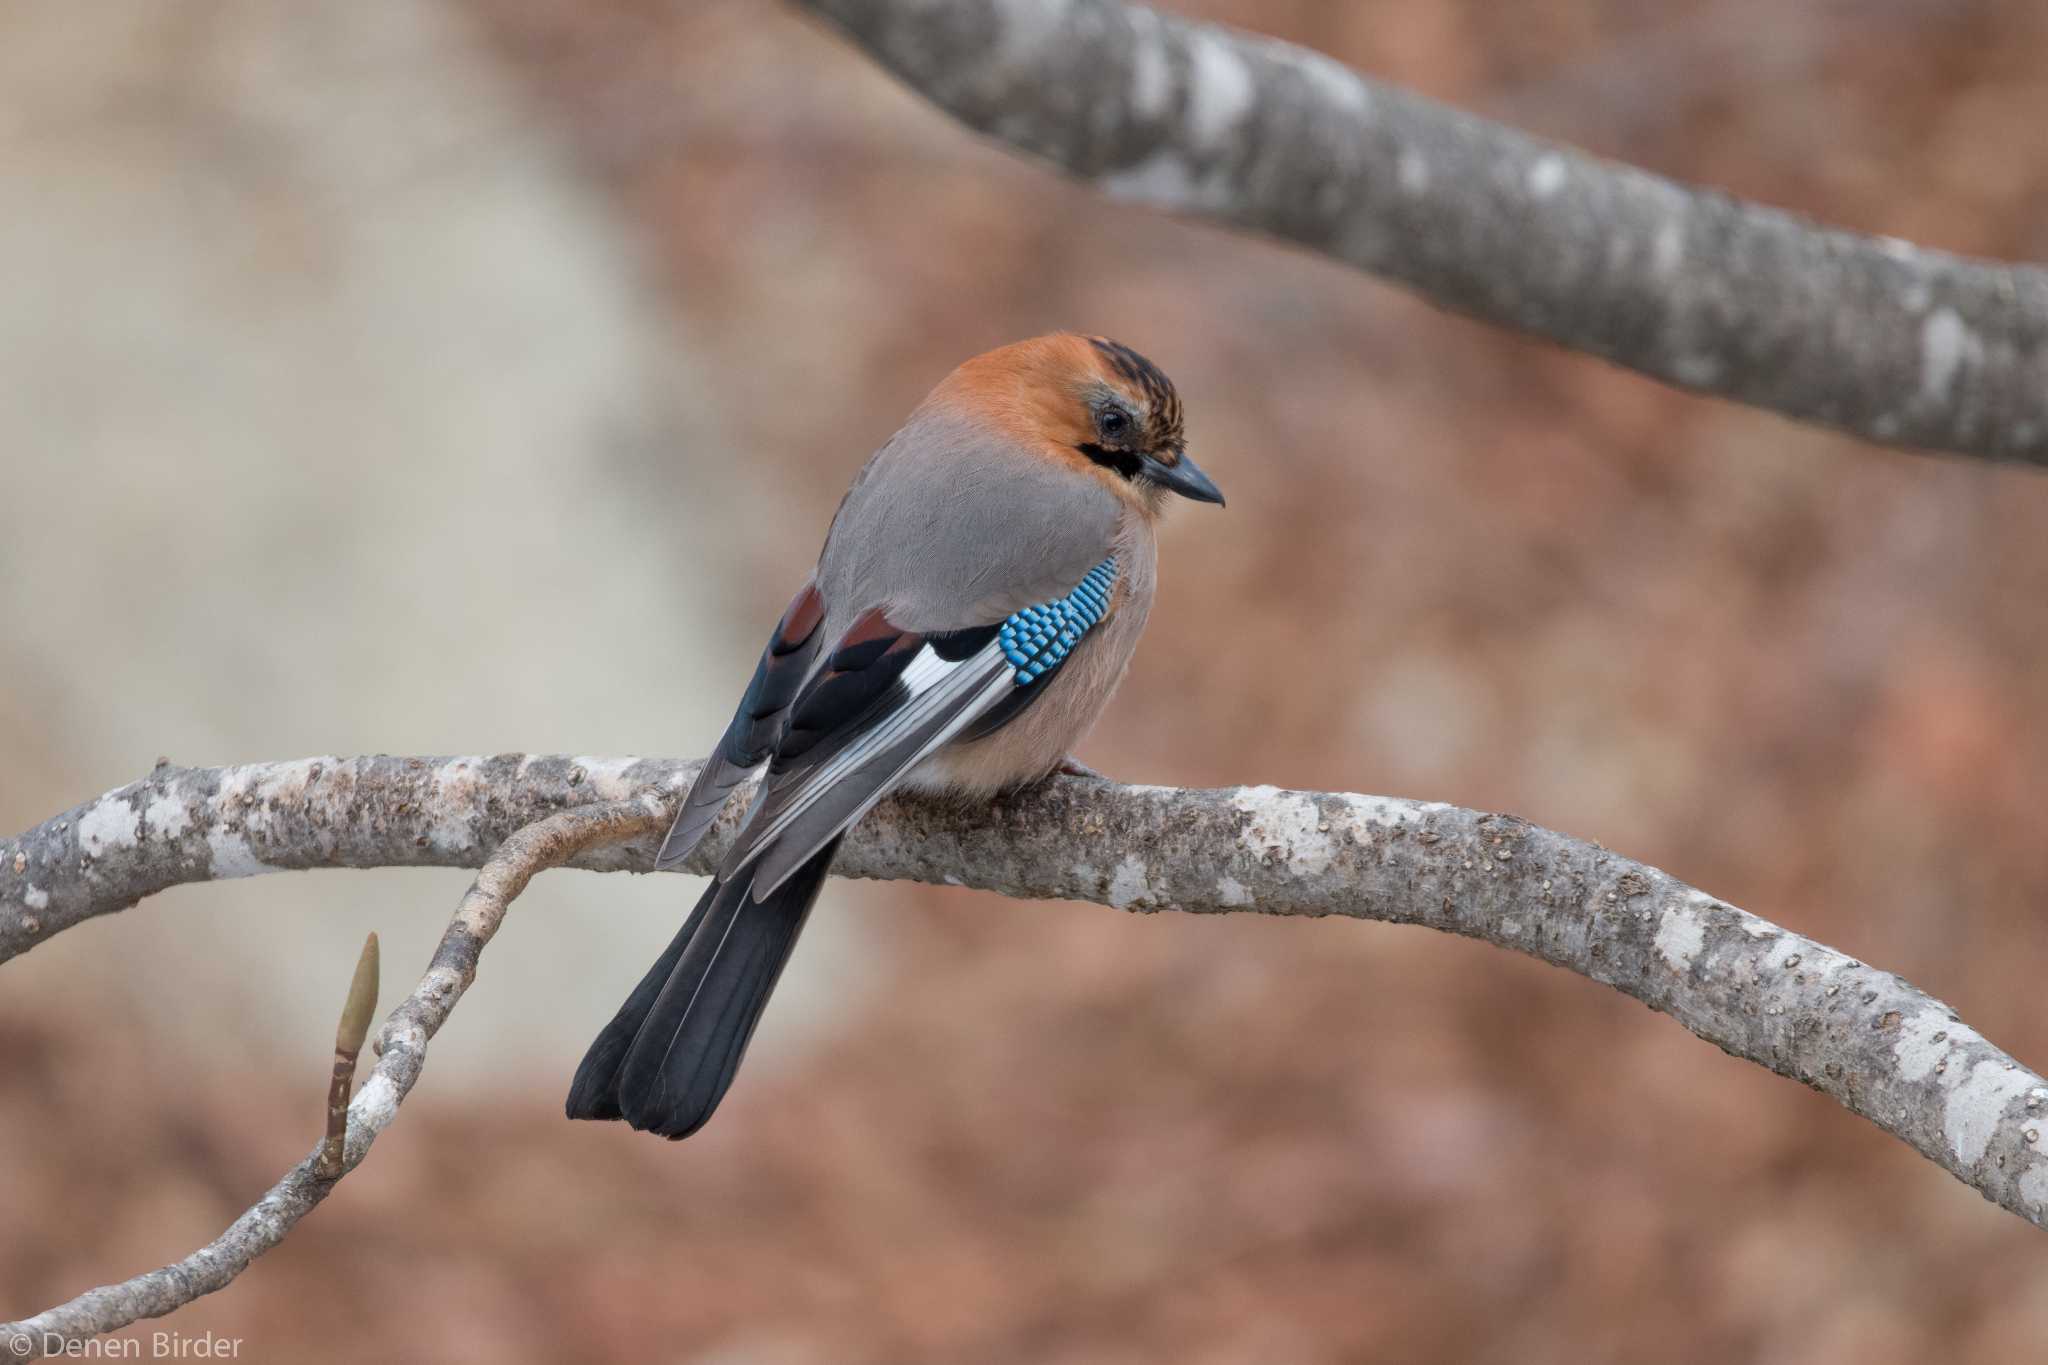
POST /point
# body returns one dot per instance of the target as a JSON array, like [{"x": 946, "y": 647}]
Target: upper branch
[
  {"x": 1894, "y": 343},
  {"x": 1873, "y": 1042}
]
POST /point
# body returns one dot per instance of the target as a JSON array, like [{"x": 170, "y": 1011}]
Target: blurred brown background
[{"x": 476, "y": 375}]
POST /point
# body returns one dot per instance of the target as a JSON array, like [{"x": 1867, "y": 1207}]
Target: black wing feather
[{"x": 755, "y": 727}]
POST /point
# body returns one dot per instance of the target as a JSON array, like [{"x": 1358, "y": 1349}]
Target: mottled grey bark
[
  {"x": 1897, "y": 344},
  {"x": 1873, "y": 1042}
]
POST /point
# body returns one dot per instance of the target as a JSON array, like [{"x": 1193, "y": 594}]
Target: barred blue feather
[{"x": 1036, "y": 639}]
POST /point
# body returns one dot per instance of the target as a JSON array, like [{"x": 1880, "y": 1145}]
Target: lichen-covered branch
[
  {"x": 1892, "y": 342},
  {"x": 1873, "y": 1042},
  {"x": 402, "y": 1049}
]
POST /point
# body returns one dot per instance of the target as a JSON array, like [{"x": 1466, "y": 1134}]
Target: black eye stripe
[{"x": 1122, "y": 461}]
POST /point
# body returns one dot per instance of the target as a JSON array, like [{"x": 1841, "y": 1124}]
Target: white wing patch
[{"x": 945, "y": 698}]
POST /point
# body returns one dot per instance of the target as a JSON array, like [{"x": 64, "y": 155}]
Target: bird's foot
[{"x": 1074, "y": 767}]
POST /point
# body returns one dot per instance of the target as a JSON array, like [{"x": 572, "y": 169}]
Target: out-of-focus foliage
[{"x": 1805, "y": 675}]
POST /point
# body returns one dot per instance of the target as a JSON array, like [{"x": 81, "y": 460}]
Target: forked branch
[
  {"x": 1877, "y": 1045},
  {"x": 402, "y": 1048}
]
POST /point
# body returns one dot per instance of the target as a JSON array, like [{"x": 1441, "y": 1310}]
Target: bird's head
[{"x": 1090, "y": 403}]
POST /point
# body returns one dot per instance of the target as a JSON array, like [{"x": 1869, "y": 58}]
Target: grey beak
[{"x": 1184, "y": 477}]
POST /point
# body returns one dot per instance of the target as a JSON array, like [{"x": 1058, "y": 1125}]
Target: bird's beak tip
[{"x": 1186, "y": 478}]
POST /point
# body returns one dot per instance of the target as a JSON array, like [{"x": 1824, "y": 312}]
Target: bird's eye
[{"x": 1114, "y": 423}]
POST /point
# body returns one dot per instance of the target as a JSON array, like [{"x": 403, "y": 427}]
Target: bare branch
[
  {"x": 1891, "y": 342},
  {"x": 1877, "y": 1045},
  {"x": 402, "y": 1049}
]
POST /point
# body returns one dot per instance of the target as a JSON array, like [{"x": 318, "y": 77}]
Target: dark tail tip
[
  {"x": 689, "y": 1047},
  {"x": 668, "y": 1057},
  {"x": 594, "y": 1094},
  {"x": 674, "y": 1121}
]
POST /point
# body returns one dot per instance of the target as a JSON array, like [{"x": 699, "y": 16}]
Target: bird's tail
[{"x": 664, "y": 1061}]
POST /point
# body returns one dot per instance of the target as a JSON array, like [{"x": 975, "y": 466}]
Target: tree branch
[
  {"x": 402, "y": 1049},
  {"x": 1891, "y": 342},
  {"x": 1878, "y": 1046}
]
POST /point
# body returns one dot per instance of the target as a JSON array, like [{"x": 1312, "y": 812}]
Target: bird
[{"x": 977, "y": 600}]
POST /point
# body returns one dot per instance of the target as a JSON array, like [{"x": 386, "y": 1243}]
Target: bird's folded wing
[
  {"x": 750, "y": 739},
  {"x": 885, "y": 699}
]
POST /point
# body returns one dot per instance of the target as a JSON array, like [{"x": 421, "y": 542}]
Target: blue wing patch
[{"x": 1036, "y": 639}]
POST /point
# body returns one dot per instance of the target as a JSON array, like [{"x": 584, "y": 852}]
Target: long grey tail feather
[{"x": 666, "y": 1059}]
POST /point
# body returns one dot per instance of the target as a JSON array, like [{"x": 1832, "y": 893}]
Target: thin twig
[{"x": 402, "y": 1048}]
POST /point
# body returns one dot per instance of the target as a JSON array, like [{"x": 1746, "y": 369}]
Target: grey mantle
[{"x": 1876, "y": 1044}]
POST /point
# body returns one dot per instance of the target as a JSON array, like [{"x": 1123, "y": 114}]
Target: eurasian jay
[{"x": 978, "y": 598}]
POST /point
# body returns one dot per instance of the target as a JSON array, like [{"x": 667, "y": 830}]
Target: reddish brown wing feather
[{"x": 857, "y": 678}]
